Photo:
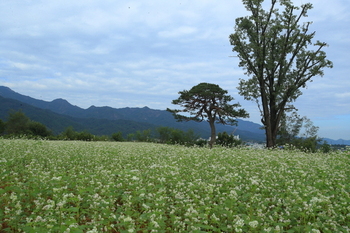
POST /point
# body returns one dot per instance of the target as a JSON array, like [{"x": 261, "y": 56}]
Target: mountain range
[{"x": 59, "y": 114}]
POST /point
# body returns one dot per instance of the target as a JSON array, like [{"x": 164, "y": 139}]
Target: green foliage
[
  {"x": 201, "y": 142},
  {"x": 228, "y": 140},
  {"x": 118, "y": 137},
  {"x": 175, "y": 136},
  {"x": 144, "y": 136},
  {"x": 19, "y": 124},
  {"x": 71, "y": 186},
  {"x": 209, "y": 102},
  {"x": 101, "y": 138},
  {"x": 307, "y": 144},
  {"x": 70, "y": 134},
  {"x": 273, "y": 50},
  {"x": 85, "y": 136},
  {"x": 325, "y": 147},
  {"x": 130, "y": 137},
  {"x": 2, "y": 127},
  {"x": 289, "y": 133},
  {"x": 38, "y": 129}
]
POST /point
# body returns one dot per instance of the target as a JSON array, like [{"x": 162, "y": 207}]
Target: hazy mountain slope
[
  {"x": 60, "y": 106},
  {"x": 57, "y": 122},
  {"x": 144, "y": 116}
]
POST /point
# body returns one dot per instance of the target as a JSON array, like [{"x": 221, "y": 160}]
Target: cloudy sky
[{"x": 141, "y": 53}]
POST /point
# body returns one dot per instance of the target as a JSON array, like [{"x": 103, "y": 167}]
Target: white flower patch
[{"x": 139, "y": 187}]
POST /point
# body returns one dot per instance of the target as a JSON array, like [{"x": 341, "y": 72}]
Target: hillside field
[{"x": 70, "y": 186}]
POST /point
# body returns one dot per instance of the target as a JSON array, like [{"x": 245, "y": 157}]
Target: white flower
[
  {"x": 94, "y": 230},
  {"x": 128, "y": 219},
  {"x": 240, "y": 223},
  {"x": 215, "y": 218},
  {"x": 254, "y": 223}
]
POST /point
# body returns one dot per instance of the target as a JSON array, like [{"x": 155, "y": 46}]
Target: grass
[{"x": 68, "y": 186}]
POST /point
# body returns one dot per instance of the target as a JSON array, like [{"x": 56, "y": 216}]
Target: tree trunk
[
  {"x": 269, "y": 137},
  {"x": 266, "y": 120},
  {"x": 271, "y": 129},
  {"x": 213, "y": 133}
]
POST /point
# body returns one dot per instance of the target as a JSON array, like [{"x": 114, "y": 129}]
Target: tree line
[{"x": 19, "y": 125}]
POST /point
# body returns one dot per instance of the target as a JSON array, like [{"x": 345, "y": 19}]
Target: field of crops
[{"x": 67, "y": 186}]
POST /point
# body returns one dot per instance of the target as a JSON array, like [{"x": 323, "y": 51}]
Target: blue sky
[{"x": 141, "y": 53}]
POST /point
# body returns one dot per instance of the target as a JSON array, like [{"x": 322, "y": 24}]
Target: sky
[{"x": 142, "y": 53}]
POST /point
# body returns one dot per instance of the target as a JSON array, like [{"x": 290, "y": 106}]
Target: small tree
[
  {"x": 130, "y": 137},
  {"x": 38, "y": 129},
  {"x": 224, "y": 139},
  {"x": 164, "y": 134},
  {"x": 84, "y": 136},
  {"x": 118, "y": 137},
  {"x": 290, "y": 132},
  {"x": 209, "y": 102},
  {"x": 69, "y": 133},
  {"x": 144, "y": 136}
]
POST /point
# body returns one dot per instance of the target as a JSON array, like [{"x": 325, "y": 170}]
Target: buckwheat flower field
[{"x": 68, "y": 186}]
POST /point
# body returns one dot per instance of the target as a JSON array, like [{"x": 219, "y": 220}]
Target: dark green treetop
[{"x": 209, "y": 102}]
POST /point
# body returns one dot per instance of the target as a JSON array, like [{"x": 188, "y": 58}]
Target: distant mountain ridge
[
  {"x": 58, "y": 122},
  {"x": 59, "y": 114},
  {"x": 337, "y": 142}
]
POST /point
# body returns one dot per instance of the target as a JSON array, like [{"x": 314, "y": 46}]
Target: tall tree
[
  {"x": 273, "y": 50},
  {"x": 209, "y": 102}
]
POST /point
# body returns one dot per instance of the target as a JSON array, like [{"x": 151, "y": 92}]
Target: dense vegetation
[
  {"x": 71, "y": 186},
  {"x": 20, "y": 126}
]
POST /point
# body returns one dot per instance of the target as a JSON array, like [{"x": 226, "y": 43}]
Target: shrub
[
  {"x": 38, "y": 129},
  {"x": 118, "y": 137},
  {"x": 228, "y": 140},
  {"x": 85, "y": 136},
  {"x": 325, "y": 147}
]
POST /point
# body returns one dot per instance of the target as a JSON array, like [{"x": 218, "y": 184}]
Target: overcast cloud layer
[{"x": 141, "y": 53}]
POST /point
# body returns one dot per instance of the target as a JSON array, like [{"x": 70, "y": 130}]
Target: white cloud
[
  {"x": 138, "y": 53},
  {"x": 178, "y": 32},
  {"x": 343, "y": 95}
]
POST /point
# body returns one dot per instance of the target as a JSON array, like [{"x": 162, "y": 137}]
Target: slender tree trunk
[{"x": 213, "y": 133}]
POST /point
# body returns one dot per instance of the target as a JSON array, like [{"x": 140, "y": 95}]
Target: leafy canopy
[
  {"x": 275, "y": 49},
  {"x": 207, "y": 101}
]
